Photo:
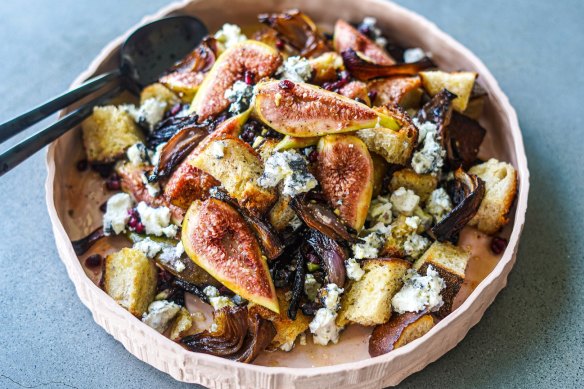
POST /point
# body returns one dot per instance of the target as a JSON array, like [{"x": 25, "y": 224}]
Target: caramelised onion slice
[
  {"x": 239, "y": 336},
  {"x": 332, "y": 254},
  {"x": 363, "y": 69},
  {"x": 298, "y": 285},
  {"x": 269, "y": 239},
  {"x": 81, "y": 246},
  {"x": 473, "y": 189},
  {"x": 320, "y": 217},
  {"x": 462, "y": 139},
  {"x": 438, "y": 111}
]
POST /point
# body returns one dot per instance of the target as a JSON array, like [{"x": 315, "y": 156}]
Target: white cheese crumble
[
  {"x": 439, "y": 204},
  {"x": 117, "y": 213},
  {"x": 415, "y": 245},
  {"x": 419, "y": 292},
  {"x": 287, "y": 347},
  {"x": 240, "y": 95},
  {"x": 218, "y": 149},
  {"x": 295, "y": 69},
  {"x": 311, "y": 287},
  {"x": 413, "y": 55},
  {"x": 148, "y": 247},
  {"x": 217, "y": 301},
  {"x": 229, "y": 35},
  {"x": 151, "y": 111},
  {"x": 413, "y": 222},
  {"x": 152, "y": 188},
  {"x": 171, "y": 256},
  {"x": 136, "y": 153},
  {"x": 380, "y": 210},
  {"x": 323, "y": 327},
  {"x": 370, "y": 243},
  {"x": 156, "y": 221},
  {"x": 354, "y": 271},
  {"x": 376, "y": 33},
  {"x": 430, "y": 158},
  {"x": 291, "y": 168},
  {"x": 404, "y": 201},
  {"x": 160, "y": 313}
]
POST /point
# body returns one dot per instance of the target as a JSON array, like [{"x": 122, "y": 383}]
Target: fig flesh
[
  {"x": 304, "y": 110},
  {"x": 345, "y": 172},
  {"x": 348, "y": 37},
  {"x": 217, "y": 238}
]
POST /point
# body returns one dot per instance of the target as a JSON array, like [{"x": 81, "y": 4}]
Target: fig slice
[
  {"x": 348, "y": 37},
  {"x": 304, "y": 110},
  {"x": 345, "y": 171},
  {"x": 217, "y": 238},
  {"x": 249, "y": 57}
]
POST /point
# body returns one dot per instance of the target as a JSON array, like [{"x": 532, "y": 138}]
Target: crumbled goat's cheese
[
  {"x": 404, "y": 201},
  {"x": 371, "y": 241},
  {"x": 323, "y": 326},
  {"x": 156, "y": 221},
  {"x": 171, "y": 256},
  {"x": 295, "y": 69},
  {"x": 415, "y": 245},
  {"x": 218, "y": 149},
  {"x": 380, "y": 210},
  {"x": 413, "y": 222},
  {"x": 354, "y": 271},
  {"x": 148, "y": 247},
  {"x": 160, "y": 313},
  {"x": 376, "y": 33},
  {"x": 217, "y": 301},
  {"x": 413, "y": 55},
  {"x": 419, "y": 292},
  {"x": 238, "y": 300},
  {"x": 136, "y": 153},
  {"x": 430, "y": 158},
  {"x": 291, "y": 168},
  {"x": 117, "y": 213},
  {"x": 229, "y": 35},
  {"x": 152, "y": 188},
  {"x": 241, "y": 96},
  {"x": 302, "y": 339},
  {"x": 439, "y": 204},
  {"x": 311, "y": 287},
  {"x": 151, "y": 111},
  {"x": 287, "y": 347}
]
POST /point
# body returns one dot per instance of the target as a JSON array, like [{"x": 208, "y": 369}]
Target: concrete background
[{"x": 532, "y": 336}]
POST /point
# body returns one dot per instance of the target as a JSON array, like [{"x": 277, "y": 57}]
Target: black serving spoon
[{"x": 145, "y": 55}]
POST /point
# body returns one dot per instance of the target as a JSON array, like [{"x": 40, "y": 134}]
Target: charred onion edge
[
  {"x": 81, "y": 246},
  {"x": 363, "y": 69},
  {"x": 298, "y": 285},
  {"x": 201, "y": 59},
  {"x": 438, "y": 111},
  {"x": 269, "y": 239},
  {"x": 455, "y": 220},
  {"x": 384, "y": 336},
  {"x": 333, "y": 256},
  {"x": 191, "y": 288}
]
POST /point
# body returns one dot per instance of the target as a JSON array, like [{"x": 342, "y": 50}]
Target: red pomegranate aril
[
  {"x": 280, "y": 44},
  {"x": 93, "y": 261},
  {"x": 286, "y": 84},
  {"x": 133, "y": 222},
  {"x": 140, "y": 228},
  {"x": 313, "y": 156},
  {"x": 248, "y": 77},
  {"x": 103, "y": 207},
  {"x": 498, "y": 245},
  {"x": 113, "y": 182}
]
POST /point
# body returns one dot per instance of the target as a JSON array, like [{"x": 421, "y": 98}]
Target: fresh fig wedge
[
  {"x": 217, "y": 238},
  {"x": 356, "y": 90},
  {"x": 348, "y": 37},
  {"x": 344, "y": 170},
  {"x": 298, "y": 31},
  {"x": 249, "y": 57},
  {"x": 473, "y": 189},
  {"x": 332, "y": 254},
  {"x": 362, "y": 68},
  {"x": 304, "y": 110}
]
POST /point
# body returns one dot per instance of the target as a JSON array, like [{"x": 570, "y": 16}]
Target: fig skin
[
  {"x": 292, "y": 142},
  {"x": 217, "y": 238},
  {"x": 254, "y": 57},
  {"x": 346, "y": 174},
  {"x": 348, "y": 37},
  {"x": 304, "y": 110}
]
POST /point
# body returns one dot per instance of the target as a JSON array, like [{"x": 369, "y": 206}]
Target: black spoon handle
[
  {"x": 37, "y": 141},
  {"x": 22, "y": 122}
]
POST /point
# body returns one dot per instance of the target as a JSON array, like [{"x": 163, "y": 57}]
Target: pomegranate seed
[
  {"x": 93, "y": 261},
  {"x": 112, "y": 184},
  {"x": 175, "y": 109},
  {"x": 248, "y": 77},
  {"x": 280, "y": 44},
  {"x": 286, "y": 84},
  {"x": 140, "y": 228},
  {"x": 313, "y": 156},
  {"x": 498, "y": 245},
  {"x": 82, "y": 165},
  {"x": 133, "y": 222}
]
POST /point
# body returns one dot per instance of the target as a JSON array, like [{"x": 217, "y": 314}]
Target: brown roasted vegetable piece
[
  {"x": 399, "y": 331},
  {"x": 239, "y": 336},
  {"x": 297, "y": 30},
  {"x": 362, "y": 68},
  {"x": 462, "y": 140},
  {"x": 81, "y": 246},
  {"x": 473, "y": 189},
  {"x": 438, "y": 111},
  {"x": 332, "y": 254},
  {"x": 347, "y": 37}
]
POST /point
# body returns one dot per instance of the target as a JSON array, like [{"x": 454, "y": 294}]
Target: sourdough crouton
[
  {"x": 422, "y": 184},
  {"x": 181, "y": 324},
  {"x": 281, "y": 214},
  {"x": 286, "y": 330},
  {"x": 108, "y": 132},
  {"x": 403, "y": 91},
  {"x": 459, "y": 83},
  {"x": 450, "y": 262},
  {"x": 380, "y": 170},
  {"x": 130, "y": 279},
  {"x": 404, "y": 240},
  {"x": 368, "y": 301},
  {"x": 500, "y": 189},
  {"x": 325, "y": 66},
  {"x": 399, "y": 331},
  {"x": 161, "y": 93}
]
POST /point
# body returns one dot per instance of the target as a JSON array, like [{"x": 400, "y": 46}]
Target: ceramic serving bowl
[{"x": 73, "y": 199}]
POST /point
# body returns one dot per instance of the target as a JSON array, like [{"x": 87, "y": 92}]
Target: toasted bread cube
[
  {"x": 401, "y": 230},
  {"x": 187, "y": 184},
  {"x": 181, "y": 324},
  {"x": 130, "y": 279},
  {"x": 404, "y": 91},
  {"x": 281, "y": 214},
  {"x": 108, "y": 132},
  {"x": 325, "y": 66},
  {"x": 286, "y": 330},
  {"x": 422, "y": 184},
  {"x": 368, "y": 301},
  {"x": 459, "y": 83},
  {"x": 159, "y": 92},
  {"x": 399, "y": 331},
  {"x": 450, "y": 262},
  {"x": 500, "y": 189},
  {"x": 238, "y": 168},
  {"x": 396, "y": 147}
]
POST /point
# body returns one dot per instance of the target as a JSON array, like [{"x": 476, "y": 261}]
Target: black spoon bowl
[{"x": 145, "y": 55}]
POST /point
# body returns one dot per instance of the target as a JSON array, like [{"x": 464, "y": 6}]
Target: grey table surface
[{"x": 532, "y": 336}]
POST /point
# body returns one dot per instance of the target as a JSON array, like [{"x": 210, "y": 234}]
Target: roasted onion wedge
[
  {"x": 462, "y": 139},
  {"x": 362, "y": 68},
  {"x": 81, "y": 246},
  {"x": 333, "y": 256},
  {"x": 438, "y": 111}
]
